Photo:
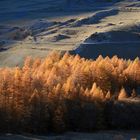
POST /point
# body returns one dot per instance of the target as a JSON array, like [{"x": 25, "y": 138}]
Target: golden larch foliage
[{"x": 122, "y": 94}]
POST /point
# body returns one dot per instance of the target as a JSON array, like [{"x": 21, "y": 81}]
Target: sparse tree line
[{"x": 69, "y": 93}]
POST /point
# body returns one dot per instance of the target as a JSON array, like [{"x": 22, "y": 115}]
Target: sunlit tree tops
[{"x": 72, "y": 76}]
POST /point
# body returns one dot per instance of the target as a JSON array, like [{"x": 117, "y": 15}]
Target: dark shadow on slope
[
  {"x": 115, "y": 36},
  {"x": 90, "y": 3},
  {"x": 122, "y": 50},
  {"x": 124, "y": 43},
  {"x": 3, "y": 49},
  {"x": 96, "y": 18},
  {"x": 44, "y": 8},
  {"x": 58, "y": 37}
]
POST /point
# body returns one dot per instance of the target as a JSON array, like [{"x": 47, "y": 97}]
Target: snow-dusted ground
[
  {"x": 88, "y": 27},
  {"x": 108, "y": 135}
]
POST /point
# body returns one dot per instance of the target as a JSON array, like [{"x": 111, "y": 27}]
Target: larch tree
[
  {"x": 122, "y": 94},
  {"x": 108, "y": 95},
  {"x": 133, "y": 94}
]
